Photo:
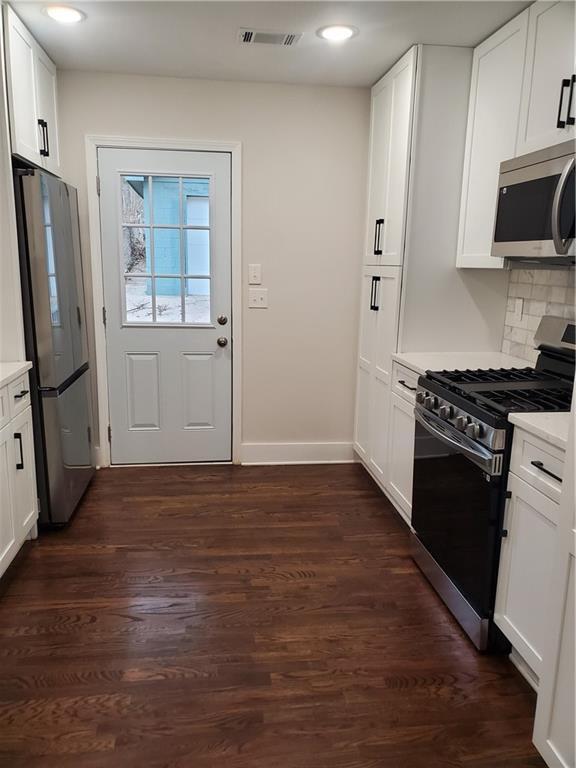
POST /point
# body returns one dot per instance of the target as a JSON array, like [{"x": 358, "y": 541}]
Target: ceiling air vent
[{"x": 252, "y": 36}]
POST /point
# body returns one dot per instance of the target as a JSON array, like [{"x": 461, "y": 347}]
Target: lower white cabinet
[
  {"x": 18, "y": 500},
  {"x": 401, "y": 454},
  {"x": 526, "y": 563}
]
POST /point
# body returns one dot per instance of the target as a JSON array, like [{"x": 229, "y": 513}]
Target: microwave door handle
[
  {"x": 561, "y": 246},
  {"x": 484, "y": 458}
]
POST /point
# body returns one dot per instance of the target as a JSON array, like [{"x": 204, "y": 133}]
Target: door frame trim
[{"x": 92, "y": 144}]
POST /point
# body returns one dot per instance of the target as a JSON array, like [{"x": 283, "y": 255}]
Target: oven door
[
  {"x": 456, "y": 508},
  {"x": 535, "y": 211}
]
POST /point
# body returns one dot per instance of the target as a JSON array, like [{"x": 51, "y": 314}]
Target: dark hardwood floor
[{"x": 257, "y": 617}]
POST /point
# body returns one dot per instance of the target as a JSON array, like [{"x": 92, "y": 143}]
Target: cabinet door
[
  {"x": 386, "y": 301},
  {"x": 21, "y": 76},
  {"x": 526, "y": 561},
  {"x": 365, "y": 360},
  {"x": 493, "y": 116},
  {"x": 46, "y": 110},
  {"x": 549, "y": 62},
  {"x": 25, "y": 495},
  {"x": 390, "y": 132},
  {"x": 401, "y": 453},
  {"x": 8, "y": 544}
]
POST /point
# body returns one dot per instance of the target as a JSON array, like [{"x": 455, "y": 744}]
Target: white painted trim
[
  {"x": 297, "y": 453},
  {"x": 93, "y": 143},
  {"x": 524, "y": 668}
]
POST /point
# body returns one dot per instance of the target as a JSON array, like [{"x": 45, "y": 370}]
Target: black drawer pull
[
  {"x": 569, "y": 119},
  {"x": 19, "y": 464},
  {"x": 542, "y": 468},
  {"x": 559, "y": 122},
  {"x": 374, "y": 293},
  {"x": 377, "y": 233},
  {"x": 21, "y": 394},
  {"x": 407, "y": 386}
]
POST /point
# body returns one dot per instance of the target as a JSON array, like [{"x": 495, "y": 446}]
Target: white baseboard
[
  {"x": 524, "y": 668},
  {"x": 297, "y": 453}
]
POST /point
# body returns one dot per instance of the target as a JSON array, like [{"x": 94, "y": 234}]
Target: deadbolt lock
[{"x": 222, "y": 319}]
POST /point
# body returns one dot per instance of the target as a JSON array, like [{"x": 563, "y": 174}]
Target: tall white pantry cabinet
[{"x": 412, "y": 298}]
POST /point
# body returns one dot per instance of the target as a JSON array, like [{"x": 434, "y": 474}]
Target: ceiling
[{"x": 199, "y": 39}]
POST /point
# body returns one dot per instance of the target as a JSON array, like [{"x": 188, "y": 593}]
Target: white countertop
[
  {"x": 420, "y": 362},
  {"x": 11, "y": 371},
  {"x": 552, "y": 427}
]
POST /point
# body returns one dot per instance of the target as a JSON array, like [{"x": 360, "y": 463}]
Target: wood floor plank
[{"x": 253, "y": 617}]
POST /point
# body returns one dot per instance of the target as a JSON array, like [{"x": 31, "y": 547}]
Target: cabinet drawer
[
  {"x": 537, "y": 462},
  {"x": 4, "y": 407},
  {"x": 404, "y": 382},
  {"x": 19, "y": 395}
]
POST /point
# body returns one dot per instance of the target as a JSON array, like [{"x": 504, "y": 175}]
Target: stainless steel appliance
[
  {"x": 461, "y": 457},
  {"x": 535, "y": 210},
  {"x": 54, "y": 317}
]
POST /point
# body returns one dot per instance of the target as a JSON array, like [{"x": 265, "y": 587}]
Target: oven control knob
[
  {"x": 431, "y": 402},
  {"x": 474, "y": 430},
  {"x": 446, "y": 411},
  {"x": 420, "y": 397},
  {"x": 462, "y": 422}
]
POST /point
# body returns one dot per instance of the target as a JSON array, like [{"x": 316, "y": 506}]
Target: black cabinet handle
[
  {"x": 21, "y": 394},
  {"x": 559, "y": 122},
  {"x": 569, "y": 119},
  {"x": 407, "y": 386},
  {"x": 374, "y": 294},
  {"x": 377, "y": 232},
  {"x": 47, "y": 142},
  {"x": 542, "y": 468},
  {"x": 19, "y": 464},
  {"x": 44, "y": 126}
]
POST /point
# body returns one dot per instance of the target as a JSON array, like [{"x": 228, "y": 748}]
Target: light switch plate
[
  {"x": 258, "y": 298},
  {"x": 254, "y": 274}
]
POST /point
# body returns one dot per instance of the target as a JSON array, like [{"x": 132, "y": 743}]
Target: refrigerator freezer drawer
[{"x": 68, "y": 451}]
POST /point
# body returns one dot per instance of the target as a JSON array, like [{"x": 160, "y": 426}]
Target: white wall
[{"x": 303, "y": 197}]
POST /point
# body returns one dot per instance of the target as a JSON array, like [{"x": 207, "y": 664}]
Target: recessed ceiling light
[
  {"x": 337, "y": 33},
  {"x": 64, "y": 14}
]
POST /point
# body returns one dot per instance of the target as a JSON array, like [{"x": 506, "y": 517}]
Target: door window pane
[
  {"x": 167, "y": 252},
  {"x": 197, "y": 301},
  {"x": 196, "y": 202},
  {"x": 136, "y": 250},
  {"x": 138, "y": 294},
  {"x": 135, "y": 208},
  {"x": 168, "y": 300},
  {"x": 166, "y": 199},
  {"x": 197, "y": 252}
]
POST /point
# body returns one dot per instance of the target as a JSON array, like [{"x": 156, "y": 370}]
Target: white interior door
[{"x": 166, "y": 252}]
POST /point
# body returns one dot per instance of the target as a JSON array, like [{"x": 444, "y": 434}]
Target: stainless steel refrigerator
[{"x": 56, "y": 342}]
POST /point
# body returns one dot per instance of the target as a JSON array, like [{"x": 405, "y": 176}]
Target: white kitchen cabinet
[
  {"x": 493, "y": 117},
  {"x": 550, "y": 67},
  {"x": 390, "y": 133},
  {"x": 378, "y": 339},
  {"x": 526, "y": 563},
  {"x": 18, "y": 495},
  {"x": 31, "y": 80},
  {"x": 401, "y": 453}
]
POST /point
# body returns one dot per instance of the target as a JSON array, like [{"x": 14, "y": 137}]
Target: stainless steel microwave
[{"x": 535, "y": 210}]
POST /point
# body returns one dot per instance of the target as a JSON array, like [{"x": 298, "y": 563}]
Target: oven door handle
[
  {"x": 484, "y": 458},
  {"x": 561, "y": 246}
]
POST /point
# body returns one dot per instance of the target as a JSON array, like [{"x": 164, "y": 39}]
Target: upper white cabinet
[
  {"x": 31, "y": 80},
  {"x": 493, "y": 113},
  {"x": 546, "y": 115},
  {"x": 391, "y": 122}
]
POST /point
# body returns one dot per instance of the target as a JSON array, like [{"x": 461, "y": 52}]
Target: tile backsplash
[{"x": 533, "y": 293}]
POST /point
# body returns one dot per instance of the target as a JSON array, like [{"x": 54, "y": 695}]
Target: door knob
[
  {"x": 222, "y": 341},
  {"x": 222, "y": 319}
]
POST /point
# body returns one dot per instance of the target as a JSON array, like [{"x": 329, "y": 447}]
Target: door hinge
[
  {"x": 98, "y": 185},
  {"x": 104, "y": 316},
  {"x": 109, "y": 433}
]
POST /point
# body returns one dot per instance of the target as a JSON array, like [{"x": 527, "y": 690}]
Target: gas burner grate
[
  {"x": 488, "y": 375},
  {"x": 524, "y": 400}
]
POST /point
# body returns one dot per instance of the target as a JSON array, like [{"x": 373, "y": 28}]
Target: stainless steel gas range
[{"x": 462, "y": 450}]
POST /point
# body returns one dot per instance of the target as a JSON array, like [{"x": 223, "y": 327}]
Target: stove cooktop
[{"x": 507, "y": 390}]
